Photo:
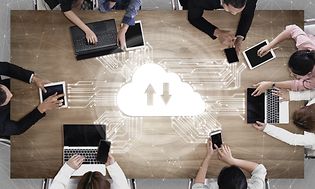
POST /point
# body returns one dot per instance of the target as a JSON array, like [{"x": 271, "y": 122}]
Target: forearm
[
  {"x": 281, "y": 37},
  {"x": 282, "y": 84},
  {"x": 248, "y": 166},
  {"x": 246, "y": 19},
  {"x": 202, "y": 172},
  {"x": 15, "y": 71},
  {"x": 77, "y": 21}
]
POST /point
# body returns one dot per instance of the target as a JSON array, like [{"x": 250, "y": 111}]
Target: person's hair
[
  {"x": 93, "y": 180},
  {"x": 232, "y": 178},
  {"x": 304, "y": 118},
  {"x": 3, "y": 95},
  {"x": 235, "y": 3},
  {"x": 302, "y": 62}
]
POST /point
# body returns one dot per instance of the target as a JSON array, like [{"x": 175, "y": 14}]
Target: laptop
[
  {"x": 83, "y": 140},
  {"x": 106, "y": 33},
  {"x": 266, "y": 108},
  {"x": 134, "y": 36},
  {"x": 252, "y": 58}
]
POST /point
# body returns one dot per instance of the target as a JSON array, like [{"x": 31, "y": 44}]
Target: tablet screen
[
  {"x": 52, "y": 89},
  {"x": 134, "y": 36},
  {"x": 253, "y": 59}
]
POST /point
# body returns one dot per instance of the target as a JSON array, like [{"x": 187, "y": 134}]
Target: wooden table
[{"x": 149, "y": 147}]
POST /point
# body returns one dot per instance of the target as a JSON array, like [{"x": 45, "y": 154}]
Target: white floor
[{"x": 7, "y": 5}]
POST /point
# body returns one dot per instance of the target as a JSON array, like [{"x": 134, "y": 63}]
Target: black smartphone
[
  {"x": 216, "y": 138},
  {"x": 231, "y": 55},
  {"x": 102, "y": 152}
]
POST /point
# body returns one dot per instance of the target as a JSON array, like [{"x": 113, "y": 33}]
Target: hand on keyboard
[
  {"x": 282, "y": 93},
  {"x": 261, "y": 87},
  {"x": 75, "y": 161}
]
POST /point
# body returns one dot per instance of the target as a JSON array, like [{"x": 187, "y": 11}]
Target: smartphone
[
  {"x": 102, "y": 152},
  {"x": 216, "y": 138},
  {"x": 231, "y": 55}
]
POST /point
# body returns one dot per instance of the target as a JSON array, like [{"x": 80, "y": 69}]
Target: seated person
[
  {"x": 303, "y": 41},
  {"x": 9, "y": 127},
  {"x": 105, "y": 5},
  {"x": 304, "y": 118},
  {"x": 91, "y": 179},
  {"x": 232, "y": 176},
  {"x": 245, "y": 7},
  {"x": 302, "y": 68}
]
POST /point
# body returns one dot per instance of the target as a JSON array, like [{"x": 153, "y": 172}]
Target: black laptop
[{"x": 106, "y": 33}]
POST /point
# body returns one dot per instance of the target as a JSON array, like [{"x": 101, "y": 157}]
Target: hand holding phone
[
  {"x": 216, "y": 138},
  {"x": 103, "y": 150}
]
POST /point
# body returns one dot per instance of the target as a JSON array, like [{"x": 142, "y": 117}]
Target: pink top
[{"x": 303, "y": 41}]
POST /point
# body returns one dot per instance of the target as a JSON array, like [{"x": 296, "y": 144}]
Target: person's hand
[
  {"x": 90, "y": 37},
  {"x": 238, "y": 44},
  {"x": 225, "y": 154},
  {"x": 40, "y": 82},
  {"x": 225, "y": 37},
  {"x": 283, "y": 93},
  {"x": 121, "y": 38},
  {"x": 210, "y": 150},
  {"x": 261, "y": 87},
  {"x": 263, "y": 50},
  {"x": 75, "y": 161},
  {"x": 50, "y": 103},
  {"x": 110, "y": 159},
  {"x": 259, "y": 125}
]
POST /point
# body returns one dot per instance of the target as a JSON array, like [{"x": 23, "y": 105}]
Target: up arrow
[
  {"x": 166, "y": 95},
  {"x": 150, "y": 92}
]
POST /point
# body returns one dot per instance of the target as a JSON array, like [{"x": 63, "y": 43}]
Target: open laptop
[
  {"x": 106, "y": 33},
  {"x": 83, "y": 140},
  {"x": 266, "y": 108},
  {"x": 134, "y": 36}
]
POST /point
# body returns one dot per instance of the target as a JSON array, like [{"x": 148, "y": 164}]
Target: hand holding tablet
[{"x": 58, "y": 89}]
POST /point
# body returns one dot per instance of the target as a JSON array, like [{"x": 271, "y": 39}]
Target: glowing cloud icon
[{"x": 154, "y": 92}]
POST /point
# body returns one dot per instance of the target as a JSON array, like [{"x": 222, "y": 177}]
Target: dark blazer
[
  {"x": 196, "y": 8},
  {"x": 7, "y": 126}
]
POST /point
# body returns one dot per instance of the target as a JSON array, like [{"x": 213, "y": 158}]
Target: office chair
[{"x": 309, "y": 26}]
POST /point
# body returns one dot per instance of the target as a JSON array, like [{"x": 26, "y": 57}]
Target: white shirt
[
  {"x": 257, "y": 180},
  {"x": 62, "y": 179},
  {"x": 307, "y": 139}
]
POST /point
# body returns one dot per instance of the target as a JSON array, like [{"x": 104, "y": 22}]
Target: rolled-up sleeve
[{"x": 131, "y": 12}]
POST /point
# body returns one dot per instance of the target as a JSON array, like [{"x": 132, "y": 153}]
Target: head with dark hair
[
  {"x": 232, "y": 178},
  {"x": 304, "y": 118},
  {"x": 5, "y": 95},
  {"x": 235, "y": 3},
  {"x": 302, "y": 62},
  {"x": 93, "y": 180}
]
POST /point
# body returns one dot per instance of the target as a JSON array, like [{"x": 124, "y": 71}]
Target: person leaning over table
[
  {"x": 245, "y": 7},
  {"x": 90, "y": 180},
  {"x": 302, "y": 68},
  {"x": 304, "y": 118},
  {"x": 9, "y": 127},
  {"x": 231, "y": 177},
  {"x": 131, "y": 7}
]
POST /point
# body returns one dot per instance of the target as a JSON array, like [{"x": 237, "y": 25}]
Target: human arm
[
  {"x": 62, "y": 178},
  {"x": 246, "y": 19},
  {"x": 202, "y": 172},
  {"x": 295, "y": 95},
  {"x": 15, "y": 72},
  {"x": 261, "y": 87},
  {"x": 116, "y": 173}
]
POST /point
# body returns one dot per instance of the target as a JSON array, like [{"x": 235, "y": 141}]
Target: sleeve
[
  {"x": 288, "y": 137},
  {"x": 131, "y": 12},
  {"x": 119, "y": 180},
  {"x": 257, "y": 179},
  {"x": 10, "y": 127},
  {"x": 246, "y": 19},
  {"x": 301, "y": 95},
  {"x": 15, "y": 72},
  {"x": 66, "y": 5},
  {"x": 300, "y": 37},
  {"x": 195, "y": 18},
  {"x": 303, "y": 84},
  {"x": 62, "y": 178}
]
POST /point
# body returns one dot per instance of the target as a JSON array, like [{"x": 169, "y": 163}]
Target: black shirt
[
  {"x": 196, "y": 8},
  {"x": 65, "y": 5}
]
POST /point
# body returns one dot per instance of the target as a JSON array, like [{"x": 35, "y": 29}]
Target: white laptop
[
  {"x": 266, "y": 108},
  {"x": 135, "y": 37},
  {"x": 252, "y": 58},
  {"x": 83, "y": 140},
  {"x": 52, "y": 88}
]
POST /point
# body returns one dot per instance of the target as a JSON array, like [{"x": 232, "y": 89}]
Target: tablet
[
  {"x": 253, "y": 60},
  {"x": 134, "y": 36},
  {"x": 52, "y": 88}
]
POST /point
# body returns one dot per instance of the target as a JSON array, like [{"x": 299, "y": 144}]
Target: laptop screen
[
  {"x": 134, "y": 36},
  {"x": 255, "y": 107},
  {"x": 83, "y": 135}
]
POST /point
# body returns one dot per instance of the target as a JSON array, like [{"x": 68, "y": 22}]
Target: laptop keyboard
[
  {"x": 104, "y": 39},
  {"x": 272, "y": 107},
  {"x": 89, "y": 155}
]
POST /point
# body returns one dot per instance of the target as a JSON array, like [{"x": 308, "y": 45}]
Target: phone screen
[
  {"x": 216, "y": 139},
  {"x": 231, "y": 55},
  {"x": 102, "y": 152}
]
